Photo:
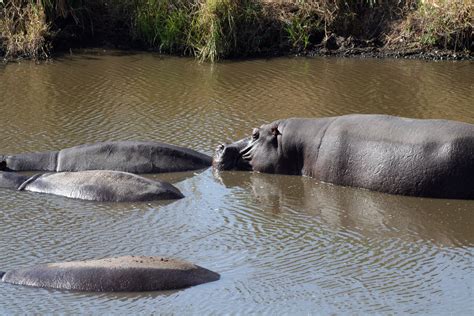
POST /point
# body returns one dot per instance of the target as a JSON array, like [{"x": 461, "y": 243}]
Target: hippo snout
[
  {"x": 219, "y": 150},
  {"x": 218, "y": 153},
  {"x": 229, "y": 157},
  {"x": 224, "y": 157}
]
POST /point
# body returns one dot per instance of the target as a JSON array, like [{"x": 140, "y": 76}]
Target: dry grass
[
  {"x": 23, "y": 29},
  {"x": 436, "y": 23}
]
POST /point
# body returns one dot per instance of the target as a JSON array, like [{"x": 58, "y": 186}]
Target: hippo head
[{"x": 259, "y": 152}]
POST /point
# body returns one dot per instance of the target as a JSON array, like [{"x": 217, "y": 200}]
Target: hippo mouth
[{"x": 235, "y": 156}]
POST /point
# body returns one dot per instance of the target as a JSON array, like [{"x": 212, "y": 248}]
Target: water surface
[{"x": 282, "y": 244}]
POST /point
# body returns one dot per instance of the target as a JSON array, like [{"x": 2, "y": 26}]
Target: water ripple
[{"x": 282, "y": 244}]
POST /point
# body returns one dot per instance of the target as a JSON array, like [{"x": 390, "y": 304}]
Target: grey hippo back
[
  {"x": 93, "y": 185},
  {"x": 432, "y": 158},
  {"x": 128, "y": 273}
]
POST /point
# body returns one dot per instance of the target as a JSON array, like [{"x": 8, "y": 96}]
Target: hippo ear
[{"x": 275, "y": 131}]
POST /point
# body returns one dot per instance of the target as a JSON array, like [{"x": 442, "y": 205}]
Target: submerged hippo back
[
  {"x": 129, "y": 273},
  {"x": 103, "y": 185},
  {"x": 397, "y": 155},
  {"x": 131, "y": 156}
]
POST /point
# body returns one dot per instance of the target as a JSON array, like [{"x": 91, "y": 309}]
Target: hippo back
[
  {"x": 399, "y": 155},
  {"x": 103, "y": 185},
  {"x": 131, "y": 156},
  {"x": 128, "y": 273}
]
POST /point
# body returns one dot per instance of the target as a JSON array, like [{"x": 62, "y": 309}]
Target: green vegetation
[
  {"x": 162, "y": 24},
  {"x": 213, "y": 29},
  {"x": 207, "y": 29}
]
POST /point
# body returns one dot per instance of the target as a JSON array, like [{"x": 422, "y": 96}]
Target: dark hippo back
[
  {"x": 433, "y": 158},
  {"x": 128, "y": 156},
  {"x": 131, "y": 156},
  {"x": 113, "y": 274},
  {"x": 45, "y": 161}
]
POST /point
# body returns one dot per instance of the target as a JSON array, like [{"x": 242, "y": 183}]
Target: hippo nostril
[{"x": 220, "y": 150}]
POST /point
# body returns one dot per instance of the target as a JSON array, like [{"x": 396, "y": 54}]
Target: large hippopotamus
[
  {"x": 94, "y": 185},
  {"x": 428, "y": 158},
  {"x": 129, "y": 273},
  {"x": 128, "y": 156}
]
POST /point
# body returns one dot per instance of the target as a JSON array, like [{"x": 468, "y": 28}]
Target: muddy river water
[{"x": 282, "y": 244}]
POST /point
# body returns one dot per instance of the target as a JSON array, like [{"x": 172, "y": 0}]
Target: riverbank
[
  {"x": 422, "y": 53},
  {"x": 220, "y": 29}
]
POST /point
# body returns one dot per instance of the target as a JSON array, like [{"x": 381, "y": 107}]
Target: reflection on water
[
  {"x": 282, "y": 244},
  {"x": 373, "y": 214}
]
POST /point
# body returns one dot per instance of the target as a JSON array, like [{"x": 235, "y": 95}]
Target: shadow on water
[
  {"x": 374, "y": 214},
  {"x": 93, "y": 54}
]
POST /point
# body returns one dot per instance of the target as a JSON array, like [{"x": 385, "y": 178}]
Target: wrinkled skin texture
[
  {"x": 429, "y": 158},
  {"x": 94, "y": 185},
  {"x": 129, "y": 273},
  {"x": 127, "y": 156}
]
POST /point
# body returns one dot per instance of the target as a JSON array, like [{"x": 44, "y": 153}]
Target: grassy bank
[{"x": 214, "y": 29}]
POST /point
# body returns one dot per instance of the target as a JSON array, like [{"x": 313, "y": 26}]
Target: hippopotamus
[
  {"x": 94, "y": 185},
  {"x": 117, "y": 274},
  {"x": 415, "y": 157},
  {"x": 128, "y": 156}
]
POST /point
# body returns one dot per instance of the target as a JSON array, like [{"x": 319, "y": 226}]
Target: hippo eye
[{"x": 255, "y": 134}]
